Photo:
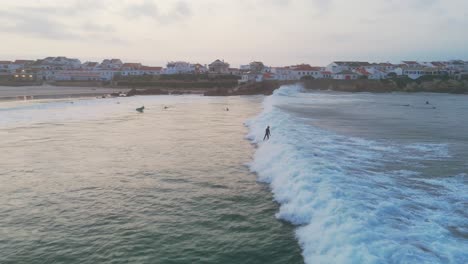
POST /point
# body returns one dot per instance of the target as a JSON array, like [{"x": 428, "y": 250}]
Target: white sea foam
[{"x": 350, "y": 205}]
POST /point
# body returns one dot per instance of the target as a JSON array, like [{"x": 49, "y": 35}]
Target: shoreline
[{"x": 21, "y": 93}]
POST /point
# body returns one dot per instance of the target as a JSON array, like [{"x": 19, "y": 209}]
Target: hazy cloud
[
  {"x": 39, "y": 26},
  {"x": 179, "y": 11},
  {"x": 276, "y": 31}
]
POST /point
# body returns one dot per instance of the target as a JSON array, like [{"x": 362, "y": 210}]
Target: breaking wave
[{"x": 351, "y": 198}]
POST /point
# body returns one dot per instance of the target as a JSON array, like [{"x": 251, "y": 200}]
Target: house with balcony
[
  {"x": 417, "y": 72},
  {"x": 219, "y": 67}
]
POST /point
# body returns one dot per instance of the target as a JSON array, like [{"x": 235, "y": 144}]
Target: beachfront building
[
  {"x": 410, "y": 64},
  {"x": 340, "y": 66},
  {"x": 62, "y": 63},
  {"x": 234, "y": 71},
  {"x": 150, "y": 70},
  {"x": 326, "y": 75},
  {"x": 283, "y": 73},
  {"x": 345, "y": 75},
  {"x": 371, "y": 74},
  {"x": 455, "y": 66},
  {"x": 383, "y": 66},
  {"x": 107, "y": 74},
  {"x": 24, "y": 75},
  {"x": 417, "y": 72},
  {"x": 250, "y": 77},
  {"x": 197, "y": 68},
  {"x": 114, "y": 64},
  {"x": 256, "y": 66},
  {"x": 90, "y": 66},
  {"x": 4, "y": 65},
  {"x": 77, "y": 75},
  {"x": 219, "y": 67},
  {"x": 178, "y": 67},
  {"x": 245, "y": 68},
  {"x": 305, "y": 70}
]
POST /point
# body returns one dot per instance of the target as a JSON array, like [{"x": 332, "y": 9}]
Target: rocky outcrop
[
  {"x": 389, "y": 85},
  {"x": 134, "y": 91},
  {"x": 265, "y": 88}
]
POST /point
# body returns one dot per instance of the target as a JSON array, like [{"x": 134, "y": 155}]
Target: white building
[
  {"x": 345, "y": 75},
  {"x": 326, "y": 75},
  {"x": 90, "y": 66},
  {"x": 303, "y": 70},
  {"x": 283, "y": 73},
  {"x": 178, "y": 67},
  {"x": 114, "y": 64},
  {"x": 77, "y": 75},
  {"x": 340, "y": 66},
  {"x": 149, "y": 70},
  {"x": 219, "y": 67},
  {"x": 417, "y": 72},
  {"x": 107, "y": 75},
  {"x": 372, "y": 73}
]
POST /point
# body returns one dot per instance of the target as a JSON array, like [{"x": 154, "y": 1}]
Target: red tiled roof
[
  {"x": 150, "y": 68},
  {"x": 305, "y": 67},
  {"x": 362, "y": 71},
  {"x": 411, "y": 62}
]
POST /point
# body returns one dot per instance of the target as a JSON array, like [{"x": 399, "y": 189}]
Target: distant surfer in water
[
  {"x": 140, "y": 109},
  {"x": 267, "y": 133}
]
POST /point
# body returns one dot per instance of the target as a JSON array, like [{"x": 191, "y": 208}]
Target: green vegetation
[
  {"x": 434, "y": 84},
  {"x": 307, "y": 77}
]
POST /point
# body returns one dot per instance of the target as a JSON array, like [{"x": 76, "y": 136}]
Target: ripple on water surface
[{"x": 96, "y": 182}]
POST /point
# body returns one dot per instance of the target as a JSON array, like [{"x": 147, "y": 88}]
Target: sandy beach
[{"x": 45, "y": 92}]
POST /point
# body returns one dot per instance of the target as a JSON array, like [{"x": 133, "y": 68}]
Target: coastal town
[{"x": 63, "y": 69}]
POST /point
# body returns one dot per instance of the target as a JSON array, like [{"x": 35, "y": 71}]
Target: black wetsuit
[{"x": 267, "y": 133}]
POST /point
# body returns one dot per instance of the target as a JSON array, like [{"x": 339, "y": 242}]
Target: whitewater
[{"x": 367, "y": 178}]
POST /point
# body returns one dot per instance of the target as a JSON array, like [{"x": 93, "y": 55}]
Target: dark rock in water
[
  {"x": 140, "y": 109},
  {"x": 265, "y": 88}
]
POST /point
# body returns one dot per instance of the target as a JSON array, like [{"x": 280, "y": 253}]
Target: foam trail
[{"x": 349, "y": 207}]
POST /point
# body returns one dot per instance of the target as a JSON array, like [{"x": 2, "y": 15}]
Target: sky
[{"x": 277, "y": 32}]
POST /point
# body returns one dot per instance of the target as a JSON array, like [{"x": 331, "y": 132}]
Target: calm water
[
  {"x": 369, "y": 178},
  {"x": 97, "y": 182}
]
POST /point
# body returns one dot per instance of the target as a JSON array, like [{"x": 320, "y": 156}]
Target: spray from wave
[{"x": 350, "y": 205}]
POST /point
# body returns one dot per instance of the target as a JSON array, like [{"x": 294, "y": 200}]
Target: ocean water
[
  {"x": 94, "y": 181},
  {"x": 368, "y": 178}
]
